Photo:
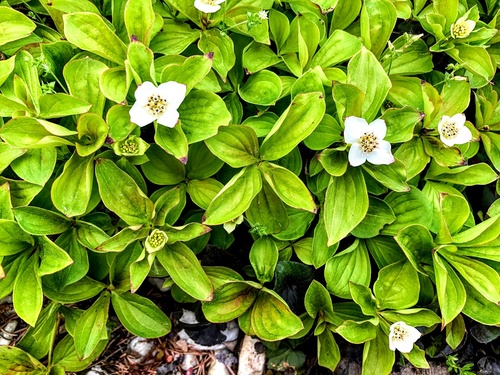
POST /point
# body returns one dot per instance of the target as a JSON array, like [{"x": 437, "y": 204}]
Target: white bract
[
  {"x": 452, "y": 130},
  {"x": 157, "y": 103},
  {"x": 208, "y": 6},
  {"x": 263, "y": 15},
  {"x": 462, "y": 28},
  {"x": 402, "y": 336},
  {"x": 367, "y": 141}
]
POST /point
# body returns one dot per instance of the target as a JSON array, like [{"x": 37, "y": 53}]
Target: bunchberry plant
[{"x": 339, "y": 157}]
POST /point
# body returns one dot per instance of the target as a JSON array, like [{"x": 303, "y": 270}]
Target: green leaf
[
  {"x": 91, "y": 327},
  {"x": 202, "y": 192},
  {"x": 190, "y": 72},
  {"x": 162, "y": 168},
  {"x": 78, "y": 253},
  {"x": 120, "y": 194},
  {"x": 8, "y": 153},
  {"x": 272, "y": 319},
  {"x": 237, "y": 145},
  {"x": 397, "y": 286},
  {"x": 317, "y": 299},
  {"x": 140, "y": 316},
  {"x": 139, "y": 18},
  {"x": 28, "y": 294},
  {"x": 320, "y": 251},
  {"x": 340, "y": 46},
  {"x": 357, "y": 332},
  {"x": 262, "y": 88},
  {"x": 346, "y": 204},
  {"x": 65, "y": 354},
  {"x": 364, "y": 298},
  {"x": 334, "y": 161},
  {"x": 379, "y": 214},
  {"x": 71, "y": 191},
  {"x": 39, "y": 221},
  {"x": 114, "y": 84},
  {"x": 38, "y": 340},
  {"x": 184, "y": 268},
  {"x": 10, "y": 269},
  {"x": 352, "y": 264},
  {"x": 455, "y": 332},
  {"x": 289, "y": 188},
  {"x": 412, "y": 155},
  {"x": 15, "y": 361},
  {"x": 450, "y": 290},
  {"x": 53, "y": 258},
  {"x": 348, "y": 99},
  {"x": 61, "y": 105},
  {"x": 258, "y": 56},
  {"x": 479, "y": 308},
  {"x": 415, "y": 317},
  {"x": 92, "y": 133},
  {"x": 377, "y": 21},
  {"x": 401, "y": 123},
  {"x": 81, "y": 290},
  {"x": 229, "y": 301},
  {"x": 294, "y": 125},
  {"x": 87, "y": 89},
  {"x": 476, "y": 59},
  {"x": 365, "y": 72},
  {"x": 222, "y": 47},
  {"x": 328, "y": 350},
  {"x": 21, "y": 192},
  {"x": 175, "y": 38},
  {"x": 202, "y": 107},
  {"x": 417, "y": 244},
  {"x": 28, "y": 132},
  {"x": 172, "y": 140},
  {"x": 235, "y": 197},
  {"x": 14, "y": 25},
  {"x": 12, "y": 238},
  {"x": 267, "y": 211},
  {"x": 263, "y": 258},
  {"x": 89, "y": 32},
  {"x": 36, "y": 165},
  {"x": 377, "y": 357},
  {"x": 391, "y": 175},
  {"x": 469, "y": 175},
  {"x": 410, "y": 208},
  {"x": 477, "y": 273}
]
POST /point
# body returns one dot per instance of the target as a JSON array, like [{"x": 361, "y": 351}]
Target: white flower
[
  {"x": 402, "y": 336},
  {"x": 157, "y": 103},
  {"x": 155, "y": 241},
  {"x": 208, "y": 6},
  {"x": 452, "y": 130},
  {"x": 262, "y": 15},
  {"x": 367, "y": 141},
  {"x": 462, "y": 28},
  {"x": 230, "y": 226}
]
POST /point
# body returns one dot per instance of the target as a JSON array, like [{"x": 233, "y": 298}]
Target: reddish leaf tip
[
  {"x": 210, "y": 55},
  {"x": 183, "y": 160},
  {"x": 133, "y": 38}
]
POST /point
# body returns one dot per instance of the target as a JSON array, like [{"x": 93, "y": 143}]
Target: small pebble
[
  {"x": 139, "y": 348},
  {"x": 96, "y": 370},
  {"x": 5, "y": 335},
  {"x": 250, "y": 361}
]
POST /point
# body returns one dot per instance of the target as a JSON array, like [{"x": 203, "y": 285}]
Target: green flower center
[
  {"x": 129, "y": 147},
  {"x": 368, "y": 142},
  {"x": 156, "y": 240},
  {"x": 156, "y": 105},
  {"x": 449, "y": 130},
  {"x": 460, "y": 30},
  {"x": 209, "y": 2}
]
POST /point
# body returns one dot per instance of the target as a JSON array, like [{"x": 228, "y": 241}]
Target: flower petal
[
  {"x": 464, "y": 136},
  {"x": 356, "y": 155},
  {"x": 206, "y": 8},
  {"x": 169, "y": 118},
  {"x": 379, "y": 128},
  {"x": 173, "y": 92},
  {"x": 414, "y": 334},
  {"x": 405, "y": 346},
  {"x": 144, "y": 91},
  {"x": 458, "y": 119},
  {"x": 140, "y": 115},
  {"x": 354, "y": 128},
  {"x": 381, "y": 155}
]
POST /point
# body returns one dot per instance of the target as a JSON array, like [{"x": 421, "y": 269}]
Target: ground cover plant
[{"x": 321, "y": 170}]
